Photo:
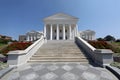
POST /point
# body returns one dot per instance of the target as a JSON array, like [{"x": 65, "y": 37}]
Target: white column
[
  {"x": 45, "y": 30},
  {"x": 70, "y": 31},
  {"x": 63, "y": 31},
  {"x": 93, "y": 36},
  {"x": 76, "y": 30},
  {"x": 51, "y": 32},
  {"x": 88, "y": 36},
  {"x": 27, "y": 37},
  {"x": 57, "y": 31},
  {"x": 31, "y": 38},
  {"x": 34, "y": 37}
]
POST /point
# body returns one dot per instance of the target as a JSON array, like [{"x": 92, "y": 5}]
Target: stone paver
[{"x": 60, "y": 71}]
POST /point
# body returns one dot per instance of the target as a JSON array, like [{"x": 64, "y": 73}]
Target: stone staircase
[{"x": 59, "y": 51}]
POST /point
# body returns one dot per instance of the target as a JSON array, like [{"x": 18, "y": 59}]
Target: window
[
  {"x": 60, "y": 30},
  {"x": 55, "y": 37},
  {"x": 60, "y": 38},
  {"x": 65, "y": 30},
  {"x": 66, "y": 37},
  {"x": 55, "y": 31}
]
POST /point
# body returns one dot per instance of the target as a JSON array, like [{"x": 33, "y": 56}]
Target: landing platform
[{"x": 59, "y": 71}]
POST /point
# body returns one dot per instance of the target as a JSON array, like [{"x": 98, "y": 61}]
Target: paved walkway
[{"x": 59, "y": 71}]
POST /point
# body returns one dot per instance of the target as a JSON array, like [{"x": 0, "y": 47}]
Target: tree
[
  {"x": 118, "y": 40},
  {"x": 100, "y": 39},
  {"x": 109, "y": 38}
]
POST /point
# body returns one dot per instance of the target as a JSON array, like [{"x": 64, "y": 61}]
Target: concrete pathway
[{"x": 59, "y": 71}]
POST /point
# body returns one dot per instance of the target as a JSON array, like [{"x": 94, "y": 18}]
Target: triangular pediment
[{"x": 60, "y": 16}]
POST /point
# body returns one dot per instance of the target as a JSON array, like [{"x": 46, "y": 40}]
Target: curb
[
  {"x": 114, "y": 70},
  {"x": 4, "y": 71}
]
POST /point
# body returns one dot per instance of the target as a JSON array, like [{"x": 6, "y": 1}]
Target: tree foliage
[
  {"x": 100, "y": 39},
  {"x": 118, "y": 40},
  {"x": 109, "y": 38},
  {"x": 4, "y": 41}
]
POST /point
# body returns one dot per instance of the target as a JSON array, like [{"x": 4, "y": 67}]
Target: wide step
[
  {"x": 59, "y": 51},
  {"x": 39, "y": 58},
  {"x": 59, "y": 60}
]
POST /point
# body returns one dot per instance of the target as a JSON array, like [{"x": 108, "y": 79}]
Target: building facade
[
  {"x": 87, "y": 34},
  {"x": 60, "y": 27},
  {"x": 31, "y": 36},
  {"x": 22, "y": 38},
  {"x": 5, "y": 37}
]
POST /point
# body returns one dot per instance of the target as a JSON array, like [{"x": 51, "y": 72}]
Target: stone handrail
[
  {"x": 19, "y": 57},
  {"x": 90, "y": 46},
  {"x": 101, "y": 57}
]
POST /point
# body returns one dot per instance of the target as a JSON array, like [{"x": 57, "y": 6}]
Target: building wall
[
  {"x": 30, "y": 36},
  {"x": 5, "y": 37},
  {"x": 22, "y": 38},
  {"x": 87, "y": 35}
]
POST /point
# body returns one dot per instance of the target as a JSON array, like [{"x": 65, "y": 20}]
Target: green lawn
[
  {"x": 116, "y": 45},
  {"x": 3, "y": 65},
  {"x": 2, "y": 45}
]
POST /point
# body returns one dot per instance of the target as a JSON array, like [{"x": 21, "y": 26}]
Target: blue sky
[{"x": 20, "y": 16}]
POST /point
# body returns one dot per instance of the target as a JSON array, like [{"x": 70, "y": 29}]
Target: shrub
[
  {"x": 4, "y": 41},
  {"x": 109, "y": 38},
  {"x": 15, "y": 46},
  {"x": 102, "y": 45},
  {"x": 118, "y": 40}
]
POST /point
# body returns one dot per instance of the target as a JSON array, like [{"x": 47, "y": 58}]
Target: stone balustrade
[
  {"x": 20, "y": 57},
  {"x": 101, "y": 57}
]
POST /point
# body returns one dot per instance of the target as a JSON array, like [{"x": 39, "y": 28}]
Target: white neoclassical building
[
  {"x": 87, "y": 34},
  {"x": 60, "y": 27},
  {"x": 33, "y": 35}
]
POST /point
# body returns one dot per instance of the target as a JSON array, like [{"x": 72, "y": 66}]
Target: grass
[
  {"x": 3, "y": 65},
  {"x": 115, "y": 64},
  {"x": 116, "y": 55},
  {"x": 2, "y": 45},
  {"x": 116, "y": 45}
]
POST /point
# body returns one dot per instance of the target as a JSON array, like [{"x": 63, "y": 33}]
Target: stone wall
[
  {"x": 101, "y": 57},
  {"x": 20, "y": 57},
  {"x": 116, "y": 59}
]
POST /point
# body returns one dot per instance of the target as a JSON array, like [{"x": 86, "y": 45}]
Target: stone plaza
[{"x": 60, "y": 71}]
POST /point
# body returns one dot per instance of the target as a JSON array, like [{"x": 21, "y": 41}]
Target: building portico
[{"x": 60, "y": 27}]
